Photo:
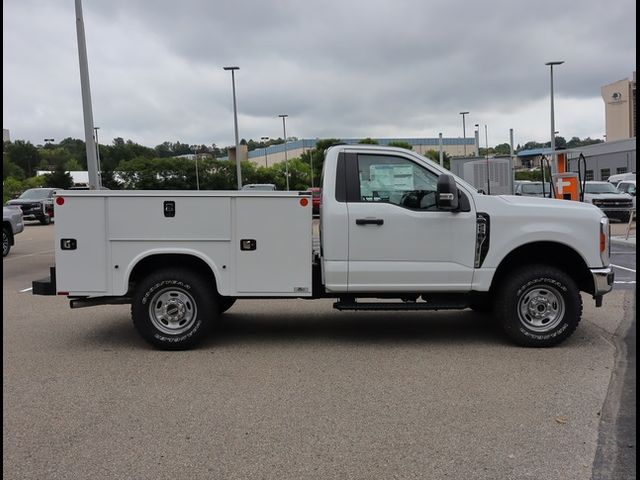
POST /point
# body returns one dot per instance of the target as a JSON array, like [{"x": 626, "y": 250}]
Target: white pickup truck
[{"x": 397, "y": 232}]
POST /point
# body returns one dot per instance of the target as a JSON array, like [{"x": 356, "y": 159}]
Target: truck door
[{"x": 398, "y": 239}]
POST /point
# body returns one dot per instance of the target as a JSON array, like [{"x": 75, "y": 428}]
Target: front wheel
[
  {"x": 539, "y": 306},
  {"x": 46, "y": 220},
  {"x": 173, "y": 309}
]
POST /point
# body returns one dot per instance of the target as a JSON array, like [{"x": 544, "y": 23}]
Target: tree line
[{"x": 126, "y": 164}]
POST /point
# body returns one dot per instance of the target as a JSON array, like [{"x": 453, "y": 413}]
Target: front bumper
[{"x": 602, "y": 280}]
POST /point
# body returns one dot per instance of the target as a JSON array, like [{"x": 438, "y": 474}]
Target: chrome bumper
[{"x": 602, "y": 280}]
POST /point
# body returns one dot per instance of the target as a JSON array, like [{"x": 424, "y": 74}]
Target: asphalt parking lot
[{"x": 293, "y": 389}]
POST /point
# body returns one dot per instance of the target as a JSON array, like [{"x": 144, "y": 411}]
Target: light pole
[
  {"x": 197, "y": 177},
  {"x": 464, "y": 133},
  {"x": 553, "y": 126},
  {"x": 477, "y": 139},
  {"x": 235, "y": 123},
  {"x": 286, "y": 162},
  {"x": 486, "y": 140},
  {"x": 264, "y": 139},
  {"x": 95, "y": 129}
]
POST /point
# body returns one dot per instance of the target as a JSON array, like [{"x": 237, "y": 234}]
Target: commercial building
[
  {"x": 273, "y": 154},
  {"x": 620, "y": 109}
]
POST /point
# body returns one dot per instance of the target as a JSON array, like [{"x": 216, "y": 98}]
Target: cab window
[{"x": 396, "y": 180}]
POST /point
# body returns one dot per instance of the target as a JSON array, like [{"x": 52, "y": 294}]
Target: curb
[{"x": 629, "y": 241}]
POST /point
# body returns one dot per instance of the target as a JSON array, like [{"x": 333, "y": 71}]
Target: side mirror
[{"x": 447, "y": 194}]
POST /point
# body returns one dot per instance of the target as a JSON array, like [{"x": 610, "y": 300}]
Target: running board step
[{"x": 388, "y": 306}]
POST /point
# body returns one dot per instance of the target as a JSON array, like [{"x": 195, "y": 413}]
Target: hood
[
  {"x": 537, "y": 206},
  {"x": 24, "y": 201},
  {"x": 608, "y": 196}
]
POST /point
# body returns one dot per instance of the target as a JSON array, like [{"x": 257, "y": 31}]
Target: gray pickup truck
[{"x": 12, "y": 224}]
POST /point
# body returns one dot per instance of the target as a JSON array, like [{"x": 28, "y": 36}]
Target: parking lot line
[{"x": 623, "y": 268}]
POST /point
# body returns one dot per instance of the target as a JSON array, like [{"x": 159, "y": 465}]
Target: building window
[
  {"x": 588, "y": 175},
  {"x": 605, "y": 173},
  {"x": 621, "y": 170}
]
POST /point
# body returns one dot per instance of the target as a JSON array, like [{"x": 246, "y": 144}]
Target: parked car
[
  {"x": 36, "y": 204},
  {"x": 531, "y": 189},
  {"x": 12, "y": 224},
  {"x": 628, "y": 187},
  {"x": 617, "y": 178},
  {"x": 316, "y": 199},
  {"x": 609, "y": 199},
  {"x": 259, "y": 186}
]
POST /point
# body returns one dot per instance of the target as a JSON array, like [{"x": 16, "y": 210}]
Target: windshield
[
  {"x": 534, "y": 188},
  {"x": 35, "y": 194},
  {"x": 600, "y": 188}
]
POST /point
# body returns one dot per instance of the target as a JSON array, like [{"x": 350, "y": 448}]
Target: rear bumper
[{"x": 45, "y": 286}]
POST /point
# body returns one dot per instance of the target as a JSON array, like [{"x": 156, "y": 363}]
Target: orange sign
[{"x": 567, "y": 186}]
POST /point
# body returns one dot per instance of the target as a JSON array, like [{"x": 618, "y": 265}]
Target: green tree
[
  {"x": 23, "y": 154},
  {"x": 60, "y": 178},
  {"x": 368, "y": 141},
  {"x": 10, "y": 170},
  {"x": 435, "y": 156},
  {"x": 72, "y": 165},
  {"x": 502, "y": 149},
  {"x": 401, "y": 144}
]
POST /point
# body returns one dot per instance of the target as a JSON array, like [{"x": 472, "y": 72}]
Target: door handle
[{"x": 369, "y": 221}]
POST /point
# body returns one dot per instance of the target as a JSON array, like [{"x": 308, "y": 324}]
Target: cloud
[{"x": 337, "y": 68}]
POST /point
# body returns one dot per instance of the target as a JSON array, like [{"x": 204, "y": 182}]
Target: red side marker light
[
  {"x": 59, "y": 201},
  {"x": 304, "y": 202}
]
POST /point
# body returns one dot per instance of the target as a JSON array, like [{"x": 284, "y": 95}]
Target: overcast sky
[{"x": 343, "y": 68}]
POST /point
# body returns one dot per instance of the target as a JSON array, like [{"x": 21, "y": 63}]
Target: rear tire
[
  {"x": 539, "y": 306},
  {"x": 174, "y": 308},
  {"x": 6, "y": 242},
  {"x": 46, "y": 220}
]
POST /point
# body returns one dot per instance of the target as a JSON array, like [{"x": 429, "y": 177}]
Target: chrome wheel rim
[
  {"x": 541, "y": 309},
  {"x": 173, "y": 311}
]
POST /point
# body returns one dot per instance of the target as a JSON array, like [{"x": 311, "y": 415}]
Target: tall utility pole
[
  {"x": 235, "y": 123},
  {"x": 286, "y": 162},
  {"x": 477, "y": 139},
  {"x": 553, "y": 125},
  {"x": 92, "y": 160},
  {"x": 486, "y": 139},
  {"x": 464, "y": 133},
  {"x": 98, "y": 154},
  {"x": 264, "y": 139}
]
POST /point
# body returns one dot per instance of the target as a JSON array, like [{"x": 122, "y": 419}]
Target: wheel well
[
  {"x": 547, "y": 253},
  {"x": 170, "y": 260}
]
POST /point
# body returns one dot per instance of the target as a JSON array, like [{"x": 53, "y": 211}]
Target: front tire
[
  {"x": 539, "y": 306},
  {"x": 173, "y": 309},
  {"x": 225, "y": 303},
  {"x": 46, "y": 220}
]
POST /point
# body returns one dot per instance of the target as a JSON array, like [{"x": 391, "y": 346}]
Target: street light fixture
[
  {"x": 464, "y": 133},
  {"x": 486, "y": 140},
  {"x": 264, "y": 139},
  {"x": 286, "y": 162},
  {"x": 553, "y": 126},
  {"x": 235, "y": 123}
]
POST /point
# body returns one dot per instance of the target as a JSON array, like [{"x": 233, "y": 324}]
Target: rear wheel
[
  {"x": 539, "y": 306},
  {"x": 46, "y": 220},
  {"x": 6, "y": 241},
  {"x": 174, "y": 308}
]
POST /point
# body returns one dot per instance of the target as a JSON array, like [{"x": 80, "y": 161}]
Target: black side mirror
[{"x": 447, "y": 197}]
